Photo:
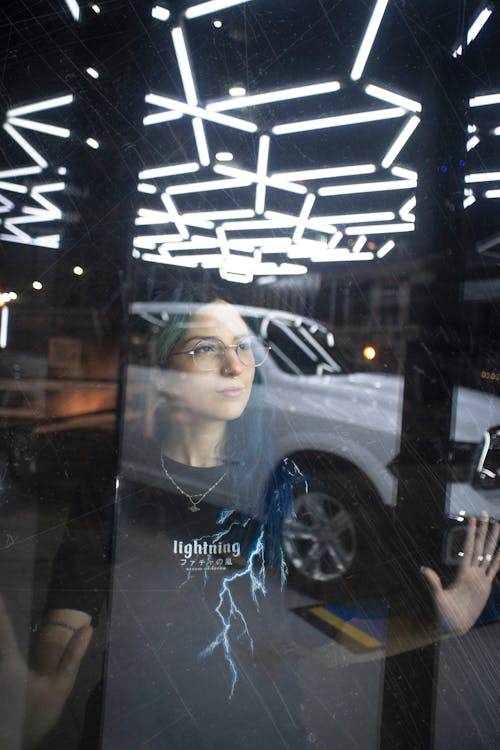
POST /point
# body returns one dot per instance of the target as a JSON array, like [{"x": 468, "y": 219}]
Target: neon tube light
[
  {"x": 4, "y": 327},
  {"x": 359, "y": 244},
  {"x": 244, "y": 226},
  {"x": 334, "y": 241},
  {"x": 20, "y": 171},
  {"x": 478, "y": 24},
  {"x": 318, "y": 174},
  {"x": 211, "y": 6},
  {"x": 303, "y": 216},
  {"x": 148, "y": 174},
  {"x": 237, "y": 213},
  {"x": 381, "y": 228},
  {"x": 182, "y": 56},
  {"x": 492, "y": 194},
  {"x": 386, "y": 248},
  {"x": 144, "y": 187},
  {"x": 469, "y": 200},
  {"x": 200, "y": 187},
  {"x": 262, "y": 158},
  {"x": 13, "y": 187},
  {"x": 27, "y": 147},
  {"x": 150, "y": 241},
  {"x": 160, "y": 13},
  {"x": 400, "y": 140},
  {"x": 172, "y": 210},
  {"x": 204, "y": 114},
  {"x": 271, "y": 181},
  {"x": 188, "y": 246},
  {"x": 58, "y": 101},
  {"x": 93, "y": 73},
  {"x": 40, "y": 127},
  {"x": 161, "y": 117},
  {"x": 406, "y": 174},
  {"x": 472, "y": 142},
  {"x": 407, "y": 208},
  {"x": 482, "y": 177},
  {"x": 280, "y": 95},
  {"x": 353, "y": 218},
  {"x": 355, "y": 118},
  {"x": 368, "y": 39},
  {"x": 484, "y": 100},
  {"x": 368, "y": 187},
  {"x": 187, "y": 261},
  {"x": 392, "y": 98},
  {"x": 74, "y": 9}
]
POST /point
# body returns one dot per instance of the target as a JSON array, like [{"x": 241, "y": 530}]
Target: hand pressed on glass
[
  {"x": 29, "y": 699},
  {"x": 459, "y": 606}
]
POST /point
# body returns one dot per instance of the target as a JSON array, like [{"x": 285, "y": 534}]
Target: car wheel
[{"x": 320, "y": 539}]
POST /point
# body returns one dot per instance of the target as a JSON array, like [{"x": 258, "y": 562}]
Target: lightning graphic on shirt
[{"x": 227, "y": 609}]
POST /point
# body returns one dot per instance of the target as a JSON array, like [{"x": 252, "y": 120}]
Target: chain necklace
[{"x": 197, "y": 497}]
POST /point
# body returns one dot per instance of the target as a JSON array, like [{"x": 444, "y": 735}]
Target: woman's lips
[{"x": 231, "y": 392}]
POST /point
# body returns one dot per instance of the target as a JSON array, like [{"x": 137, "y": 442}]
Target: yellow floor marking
[{"x": 349, "y": 630}]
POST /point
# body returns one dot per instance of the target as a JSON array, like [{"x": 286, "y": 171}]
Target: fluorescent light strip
[
  {"x": 359, "y": 244},
  {"x": 6, "y": 204},
  {"x": 406, "y": 174},
  {"x": 93, "y": 73},
  {"x": 254, "y": 242},
  {"x": 392, "y": 98},
  {"x": 201, "y": 141},
  {"x": 407, "y": 208},
  {"x": 368, "y": 187},
  {"x": 20, "y": 172},
  {"x": 58, "y": 101},
  {"x": 221, "y": 236},
  {"x": 368, "y": 39},
  {"x": 496, "y": 131},
  {"x": 144, "y": 187},
  {"x": 160, "y": 13},
  {"x": 250, "y": 226},
  {"x": 469, "y": 200},
  {"x": 340, "y": 255},
  {"x": 172, "y": 210},
  {"x": 161, "y": 117},
  {"x": 275, "y": 96},
  {"x": 478, "y": 24},
  {"x": 492, "y": 194},
  {"x": 148, "y": 174},
  {"x": 40, "y": 127},
  {"x": 74, "y": 9},
  {"x": 386, "y": 248},
  {"x": 283, "y": 269},
  {"x": 482, "y": 177},
  {"x": 471, "y": 128},
  {"x": 211, "y": 6},
  {"x": 4, "y": 326},
  {"x": 472, "y": 142},
  {"x": 33, "y": 219},
  {"x": 188, "y": 246},
  {"x": 237, "y": 213},
  {"x": 182, "y": 56},
  {"x": 484, "y": 100},
  {"x": 262, "y": 159},
  {"x": 400, "y": 141},
  {"x": 200, "y": 187},
  {"x": 271, "y": 181},
  {"x": 303, "y": 216},
  {"x": 186, "y": 262},
  {"x": 381, "y": 228},
  {"x": 150, "y": 241},
  {"x": 13, "y": 187},
  {"x": 355, "y": 118},
  {"x": 318, "y": 174},
  {"x": 334, "y": 241},
  {"x": 204, "y": 114},
  {"x": 353, "y": 218},
  {"x": 25, "y": 145}
]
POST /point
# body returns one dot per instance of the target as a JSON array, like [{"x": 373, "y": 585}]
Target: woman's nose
[{"x": 231, "y": 364}]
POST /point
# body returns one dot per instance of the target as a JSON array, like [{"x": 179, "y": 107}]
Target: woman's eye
[
  {"x": 205, "y": 349},
  {"x": 245, "y": 345}
]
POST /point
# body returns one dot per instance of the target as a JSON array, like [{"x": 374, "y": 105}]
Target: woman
[{"x": 200, "y": 650}]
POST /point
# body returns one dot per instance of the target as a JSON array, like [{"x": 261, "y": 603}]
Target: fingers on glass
[
  {"x": 469, "y": 540},
  {"x": 480, "y": 539}
]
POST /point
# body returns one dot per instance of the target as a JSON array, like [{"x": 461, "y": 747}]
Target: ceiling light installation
[
  {"x": 35, "y": 211},
  {"x": 272, "y": 201},
  {"x": 474, "y": 29}
]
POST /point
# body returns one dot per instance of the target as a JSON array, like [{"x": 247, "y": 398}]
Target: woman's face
[{"x": 221, "y": 394}]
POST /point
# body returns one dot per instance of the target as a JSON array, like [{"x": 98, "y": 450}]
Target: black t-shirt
[{"x": 198, "y": 654}]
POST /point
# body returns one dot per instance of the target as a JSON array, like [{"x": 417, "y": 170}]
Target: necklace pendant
[{"x": 194, "y": 508}]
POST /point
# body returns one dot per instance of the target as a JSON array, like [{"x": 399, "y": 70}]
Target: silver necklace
[{"x": 197, "y": 497}]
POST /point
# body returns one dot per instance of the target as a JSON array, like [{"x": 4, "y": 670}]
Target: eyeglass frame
[{"x": 192, "y": 352}]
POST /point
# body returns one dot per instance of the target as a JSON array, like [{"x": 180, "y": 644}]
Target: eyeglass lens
[{"x": 250, "y": 351}]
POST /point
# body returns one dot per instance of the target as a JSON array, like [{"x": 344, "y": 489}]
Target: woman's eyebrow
[{"x": 200, "y": 337}]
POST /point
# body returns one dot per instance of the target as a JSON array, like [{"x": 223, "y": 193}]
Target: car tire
[{"x": 336, "y": 532}]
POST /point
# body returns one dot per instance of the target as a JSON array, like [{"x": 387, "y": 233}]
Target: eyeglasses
[{"x": 210, "y": 353}]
